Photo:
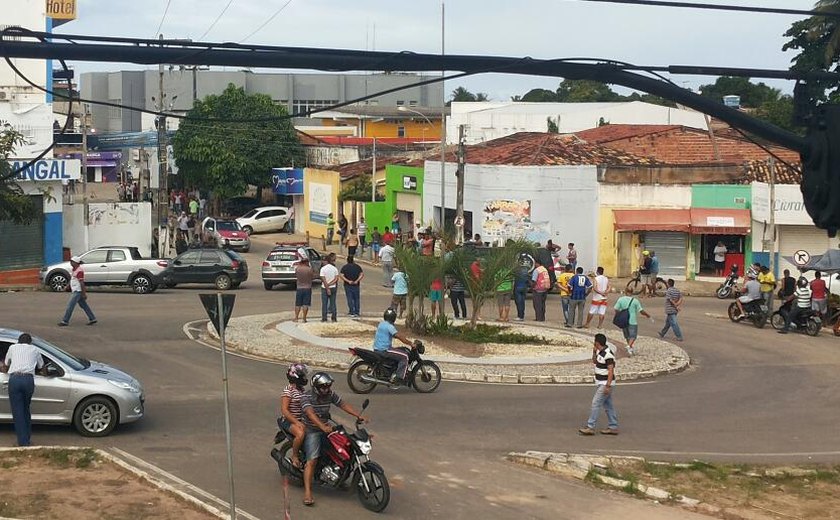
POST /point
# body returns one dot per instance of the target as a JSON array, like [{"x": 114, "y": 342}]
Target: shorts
[
  {"x": 745, "y": 299},
  {"x": 398, "y": 301},
  {"x": 646, "y": 278},
  {"x": 598, "y": 307},
  {"x": 312, "y": 443},
  {"x": 435, "y": 296},
  {"x": 303, "y": 297},
  {"x": 630, "y": 332},
  {"x": 375, "y": 247},
  {"x": 720, "y": 265},
  {"x": 503, "y": 299},
  {"x": 820, "y": 305}
]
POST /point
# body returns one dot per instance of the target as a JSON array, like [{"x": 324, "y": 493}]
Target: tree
[
  {"x": 814, "y": 39},
  {"x": 420, "y": 271},
  {"x": 14, "y": 204},
  {"x": 462, "y": 94},
  {"x": 585, "y": 91},
  {"x": 551, "y": 125},
  {"x": 226, "y": 156},
  {"x": 753, "y": 95}
]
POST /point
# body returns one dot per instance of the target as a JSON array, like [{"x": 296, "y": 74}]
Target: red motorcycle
[{"x": 344, "y": 460}]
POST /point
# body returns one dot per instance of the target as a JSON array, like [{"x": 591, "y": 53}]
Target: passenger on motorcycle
[
  {"x": 291, "y": 408},
  {"x": 316, "y": 416},
  {"x": 802, "y": 296},
  {"x": 383, "y": 343},
  {"x": 751, "y": 290}
]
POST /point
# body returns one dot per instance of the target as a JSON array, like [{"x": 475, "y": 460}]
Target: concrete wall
[
  {"x": 320, "y": 197},
  {"x": 688, "y": 174},
  {"x": 111, "y": 224}
]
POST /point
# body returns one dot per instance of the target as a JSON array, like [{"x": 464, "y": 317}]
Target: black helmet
[
  {"x": 298, "y": 374},
  {"x": 390, "y": 315},
  {"x": 322, "y": 383}
]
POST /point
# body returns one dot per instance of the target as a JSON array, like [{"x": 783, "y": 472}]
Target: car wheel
[
  {"x": 141, "y": 284},
  {"x": 268, "y": 286},
  {"x": 223, "y": 282},
  {"x": 248, "y": 229},
  {"x": 95, "y": 417},
  {"x": 58, "y": 282}
]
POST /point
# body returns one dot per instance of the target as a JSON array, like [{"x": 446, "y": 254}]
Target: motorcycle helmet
[
  {"x": 298, "y": 374},
  {"x": 390, "y": 315},
  {"x": 322, "y": 383},
  {"x": 646, "y": 253}
]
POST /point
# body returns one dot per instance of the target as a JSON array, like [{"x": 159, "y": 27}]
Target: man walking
[
  {"x": 579, "y": 286},
  {"x": 633, "y": 307},
  {"x": 329, "y": 288},
  {"x": 600, "y": 290},
  {"x": 362, "y": 235},
  {"x": 22, "y": 359},
  {"x": 78, "y": 295},
  {"x": 768, "y": 285},
  {"x": 352, "y": 275},
  {"x": 673, "y": 305},
  {"x": 303, "y": 294},
  {"x": 604, "y": 361},
  {"x": 541, "y": 283},
  {"x": 386, "y": 256}
]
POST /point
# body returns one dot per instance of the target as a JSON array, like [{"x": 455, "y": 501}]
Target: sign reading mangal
[{"x": 47, "y": 170}]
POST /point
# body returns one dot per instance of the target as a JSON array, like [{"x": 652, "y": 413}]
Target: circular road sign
[{"x": 801, "y": 257}]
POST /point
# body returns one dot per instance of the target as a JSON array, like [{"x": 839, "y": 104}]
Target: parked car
[
  {"x": 221, "y": 267},
  {"x": 235, "y": 206},
  {"x": 109, "y": 265},
  {"x": 279, "y": 266},
  {"x": 93, "y": 397},
  {"x": 267, "y": 218},
  {"x": 224, "y": 233}
]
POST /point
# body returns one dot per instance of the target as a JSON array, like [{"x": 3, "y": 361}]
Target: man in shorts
[
  {"x": 600, "y": 290},
  {"x": 436, "y": 297},
  {"x": 634, "y": 306}
]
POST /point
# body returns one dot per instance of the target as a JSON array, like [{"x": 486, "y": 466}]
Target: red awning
[
  {"x": 652, "y": 220},
  {"x": 708, "y": 221}
]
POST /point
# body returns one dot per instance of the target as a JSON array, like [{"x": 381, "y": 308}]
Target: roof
[
  {"x": 364, "y": 167},
  {"x": 609, "y": 133},
  {"x": 376, "y": 111},
  {"x": 759, "y": 171}
]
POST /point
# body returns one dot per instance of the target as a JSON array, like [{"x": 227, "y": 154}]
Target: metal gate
[
  {"x": 670, "y": 248},
  {"x": 22, "y": 245},
  {"x": 794, "y": 238}
]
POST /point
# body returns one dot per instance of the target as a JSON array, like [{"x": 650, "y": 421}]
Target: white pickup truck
[{"x": 109, "y": 265}]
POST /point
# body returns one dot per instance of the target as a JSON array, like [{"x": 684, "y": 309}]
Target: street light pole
[
  {"x": 421, "y": 114},
  {"x": 442, "y": 118}
]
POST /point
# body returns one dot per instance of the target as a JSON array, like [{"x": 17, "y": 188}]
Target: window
[
  {"x": 412, "y": 103},
  {"x": 400, "y": 131},
  {"x": 210, "y": 257},
  {"x": 189, "y": 258},
  {"x": 116, "y": 255},
  {"x": 303, "y": 105},
  {"x": 97, "y": 256},
  {"x": 115, "y": 112},
  {"x": 400, "y": 102}
]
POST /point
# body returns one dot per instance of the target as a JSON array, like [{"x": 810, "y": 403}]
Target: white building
[{"x": 490, "y": 120}]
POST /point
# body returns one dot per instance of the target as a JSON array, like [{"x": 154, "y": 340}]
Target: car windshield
[
  {"x": 228, "y": 225},
  {"x": 68, "y": 359},
  {"x": 249, "y": 214},
  {"x": 282, "y": 256}
]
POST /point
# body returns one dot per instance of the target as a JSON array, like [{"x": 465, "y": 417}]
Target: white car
[{"x": 266, "y": 218}]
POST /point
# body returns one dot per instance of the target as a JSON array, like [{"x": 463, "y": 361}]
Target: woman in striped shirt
[{"x": 290, "y": 407}]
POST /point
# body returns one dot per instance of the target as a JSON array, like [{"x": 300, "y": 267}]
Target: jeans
[
  {"x": 519, "y": 295},
  {"x": 539, "y": 304},
  {"x": 671, "y": 323},
  {"x": 576, "y": 311},
  {"x": 603, "y": 400},
  {"x": 564, "y": 303},
  {"x": 792, "y": 315},
  {"x": 328, "y": 300},
  {"x": 330, "y": 233},
  {"x": 362, "y": 244},
  {"x": 400, "y": 355},
  {"x": 387, "y": 273},
  {"x": 21, "y": 388},
  {"x": 353, "y": 298},
  {"x": 458, "y": 300},
  {"x": 290, "y": 225},
  {"x": 76, "y": 298},
  {"x": 768, "y": 300}
]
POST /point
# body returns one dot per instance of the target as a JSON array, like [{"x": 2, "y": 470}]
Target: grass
[
  {"x": 64, "y": 459},
  {"x": 483, "y": 333}
]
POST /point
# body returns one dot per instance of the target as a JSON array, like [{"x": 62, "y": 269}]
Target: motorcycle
[
  {"x": 373, "y": 369},
  {"x": 729, "y": 287},
  {"x": 808, "y": 322},
  {"x": 756, "y": 311},
  {"x": 344, "y": 460}
]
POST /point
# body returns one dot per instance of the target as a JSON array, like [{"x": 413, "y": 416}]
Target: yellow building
[{"x": 398, "y": 122}]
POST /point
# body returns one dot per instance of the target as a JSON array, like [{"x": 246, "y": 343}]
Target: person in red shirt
[
  {"x": 387, "y": 236},
  {"x": 475, "y": 268},
  {"x": 436, "y": 296},
  {"x": 819, "y": 295}
]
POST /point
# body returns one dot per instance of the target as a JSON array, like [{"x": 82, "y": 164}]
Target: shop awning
[
  {"x": 652, "y": 220},
  {"x": 709, "y": 221}
]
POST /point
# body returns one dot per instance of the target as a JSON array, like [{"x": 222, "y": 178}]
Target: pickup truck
[{"x": 109, "y": 265}]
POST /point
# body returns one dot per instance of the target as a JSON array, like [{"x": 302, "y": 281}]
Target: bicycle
[{"x": 635, "y": 284}]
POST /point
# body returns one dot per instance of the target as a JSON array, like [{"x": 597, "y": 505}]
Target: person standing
[
  {"x": 788, "y": 285},
  {"x": 654, "y": 273},
  {"x": 362, "y": 235},
  {"x": 520, "y": 292},
  {"x": 352, "y": 242},
  {"x": 604, "y": 361},
  {"x": 342, "y": 230},
  {"x": 178, "y": 202},
  {"x": 541, "y": 283},
  {"x": 673, "y": 305},
  {"x": 303, "y": 294},
  {"x": 193, "y": 208},
  {"x": 457, "y": 292},
  {"x": 427, "y": 244},
  {"x": 819, "y": 295},
  {"x": 579, "y": 287},
  {"x": 503, "y": 293},
  {"x": 386, "y": 256},
  {"x": 329, "y": 288},
  {"x": 565, "y": 292},
  {"x": 330, "y": 228},
  {"x": 600, "y": 290},
  {"x": 571, "y": 256},
  {"x": 644, "y": 272},
  {"x": 184, "y": 226},
  {"x": 375, "y": 244},
  {"x": 387, "y": 237},
  {"x": 633, "y": 307},
  {"x": 22, "y": 360},
  {"x": 720, "y": 257},
  {"x": 202, "y": 206},
  {"x": 768, "y": 286},
  {"x": 400, "y": 283},
  {"x": 78, "y": 295},
  {"x": 395, "y": 223},
  {"x": 352, "y": 275},
  {"x": 436, "y": 297},
  {"x": 290, "y": 224}
]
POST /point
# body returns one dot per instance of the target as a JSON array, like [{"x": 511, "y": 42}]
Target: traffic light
[{"x": 821, "y": 169}]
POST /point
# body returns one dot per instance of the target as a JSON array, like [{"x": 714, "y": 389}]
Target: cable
[
  {"x": 165, "y": 10},
  {"x": 216, "y": 20},
  {"x": 270, "y": 18},
  {"x": 718, "y": 7}
]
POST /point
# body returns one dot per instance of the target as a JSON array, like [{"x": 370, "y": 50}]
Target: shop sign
[
  {"x": 788, "y": 208},
  {"x": 287, "y": 181},
  {"x": 320, "y": 202},
  {"x": 409, "y": 182},
  {"x": 61, "y": 9},
  {"x": 47, "y": 170},
  {"x": 720, "y": 221}
]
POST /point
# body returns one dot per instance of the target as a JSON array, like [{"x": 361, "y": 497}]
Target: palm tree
[
  {"x": 420, "y": 271},
  {"x": 14, "y": 204}
]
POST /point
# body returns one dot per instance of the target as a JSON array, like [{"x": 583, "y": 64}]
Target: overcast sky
[{"x": 537, "y": 28}]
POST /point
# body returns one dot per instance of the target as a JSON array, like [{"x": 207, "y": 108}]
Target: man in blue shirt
[
  {"x": 579, "y": 287},
  {"x": 383, "y": 343}
]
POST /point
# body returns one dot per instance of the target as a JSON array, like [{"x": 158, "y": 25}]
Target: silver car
[{"x": 92, "y": 396}]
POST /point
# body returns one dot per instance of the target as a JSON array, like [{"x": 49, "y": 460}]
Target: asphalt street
[{"x": 751, "y": 395}]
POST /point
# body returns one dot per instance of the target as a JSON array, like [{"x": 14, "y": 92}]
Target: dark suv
[
  {"x": 221, "y": 267},
  {"x": 279, "y": 266}
]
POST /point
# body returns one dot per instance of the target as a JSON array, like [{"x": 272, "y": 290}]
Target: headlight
[
  {"x": 364, "y": 446},
  {"x": 125, "y": 386}
]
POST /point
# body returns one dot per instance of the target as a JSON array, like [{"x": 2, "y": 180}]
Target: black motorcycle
[
  {"x": 808, "y": 322},
  {"x": 729, "y": 287},
  {"x": 756, "y": 311},
  {"x": 373, "y": 369}
]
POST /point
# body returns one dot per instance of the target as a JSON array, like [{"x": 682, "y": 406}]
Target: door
[
  {"x": 670, "y": 248},
  {"x": 50, "y": 400},
  {"x": 279, "y": 219},
  {"x": 264, "y": 220},
  {"x": 96, "y": 266},
  {"x": 5, "y": 407},
  {"x": 210, "y": 264},
  {"x": 795, "y": 238},
  {"x": 314, "y": 260},
  {"x": 184, "y": 267},
  {"x": 22, "y": 245},
  {"x": 118, "y": 268}
]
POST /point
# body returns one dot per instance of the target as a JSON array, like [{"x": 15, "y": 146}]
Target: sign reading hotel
[
  {"x": 61, "y": 9},
  {"x": 47, "y": 170}
]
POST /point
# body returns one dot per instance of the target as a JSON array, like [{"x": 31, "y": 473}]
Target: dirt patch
[
  {"x": 743, "y": 491},
  {"x": 79, "y": 484}
]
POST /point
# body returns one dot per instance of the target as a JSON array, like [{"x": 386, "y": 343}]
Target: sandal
[
  {"x": 296, "y": 463},
  {"x": 309, "y": 502}
]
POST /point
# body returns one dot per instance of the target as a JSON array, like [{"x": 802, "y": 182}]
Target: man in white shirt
[
  {"x": 22, "y": 359},
  {"x": 386, "y": 256},
  {"x": 329, "y": 288},
  {"x": 600, "y": 290},
  {"x": 78, "y": 296}
]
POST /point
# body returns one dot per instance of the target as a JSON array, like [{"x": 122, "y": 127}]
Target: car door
[
  {"x": 96, "y": 266},
  {"x": 280, "y": 219},
  {"x": 118, "y": 270},
  {"x": 262, "y": 220},
  {"x": 184, "y": 268},
  {"x": 52, "y": 392},
  {"x": 314, "y": 260},
  {"x": 5, "y": 407}
]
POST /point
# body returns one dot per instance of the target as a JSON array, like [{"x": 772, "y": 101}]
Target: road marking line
[{"x": 722, "y": 453}]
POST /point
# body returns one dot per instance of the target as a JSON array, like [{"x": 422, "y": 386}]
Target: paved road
[{"x": 752, "y": 395}]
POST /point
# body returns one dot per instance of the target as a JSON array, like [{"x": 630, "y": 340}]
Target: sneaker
[
  {"x": 323, "y": 320},
  {"x": 661, "y": 336},
  {"x": 609, "y": 431},
  {"x": 63, "y": 324},
  {"x": 518, "y": 319},
  {"x": 783, "y": 331},
  {"x": 586, "y": 431},
  {"x": 631, "y": 352},
  {"x": 92, "y": 322}
]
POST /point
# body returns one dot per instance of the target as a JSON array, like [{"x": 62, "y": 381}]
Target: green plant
[{"x": 420, "y": 272}]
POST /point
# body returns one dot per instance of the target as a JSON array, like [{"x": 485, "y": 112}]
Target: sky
[{"x": 538, "y": 28}]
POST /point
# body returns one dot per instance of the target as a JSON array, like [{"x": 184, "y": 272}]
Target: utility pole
[
  {"x": 772, "y": 162},
  {"x": 442, "y": 120},
  {"x": 86, "y": 209},
  {"x": 163, "y": 184},
  {"x": 459, "y": 190},
  {"x": 373, "y": 174}
]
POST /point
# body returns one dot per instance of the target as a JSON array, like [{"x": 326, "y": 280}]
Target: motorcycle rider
[
  {"x": 290, "y": 407},
  {"x": 751, "y": 292},
  {"x": 316, "y": 416},
  {"x": 802, "y": 296},
  {"x": 383, "y": 343}
]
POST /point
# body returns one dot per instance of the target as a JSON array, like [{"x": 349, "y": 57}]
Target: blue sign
[
  {"x": 287, "y": 181},
  {"x": 47, "y": 170}
]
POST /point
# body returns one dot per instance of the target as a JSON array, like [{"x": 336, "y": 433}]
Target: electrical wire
[
  {"x": 720, "y": 7},
  {"x": 216, "y": 20},
  {"x": 163, "y": 18},
  {"x": 270, "y": 18}
]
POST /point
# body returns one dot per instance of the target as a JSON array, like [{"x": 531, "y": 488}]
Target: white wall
[
  {"x": 566, "y": 197},
  {"x": 643, "y": 196},
  {"x": 111, "y": 224}
]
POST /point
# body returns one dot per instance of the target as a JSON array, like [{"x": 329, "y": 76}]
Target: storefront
[
  {"x": 403, "y": 197},
  {"x": 287, "y": 186},
  {"x": 664, "y": 231},
  {"x": 719, "y": 213}
]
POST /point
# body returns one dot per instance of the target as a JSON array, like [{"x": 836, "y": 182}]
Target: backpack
[
  {"x": 543, "y": 280},
  {"x": 622, "y": 317}
]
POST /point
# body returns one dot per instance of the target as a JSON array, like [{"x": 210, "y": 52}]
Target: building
[{"x": 408, "y": 123}]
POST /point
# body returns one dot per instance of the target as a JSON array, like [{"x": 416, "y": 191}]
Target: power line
[
  {"x": 165, "y": 11},
  {"x": 270, "y": 18},
  {"x": 719, "y": 7},
  {"x": 216, "y": 20}
]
